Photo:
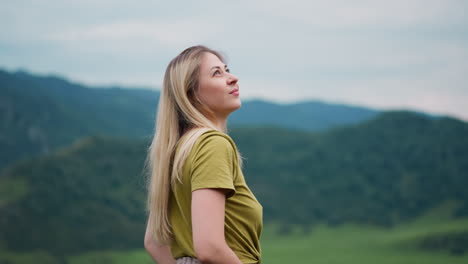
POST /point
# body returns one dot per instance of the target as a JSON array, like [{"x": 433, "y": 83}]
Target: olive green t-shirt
[{"x": 212, "y": 163}]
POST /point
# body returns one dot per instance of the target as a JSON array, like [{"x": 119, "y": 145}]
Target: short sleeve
[{"x": 213, "y": 165}]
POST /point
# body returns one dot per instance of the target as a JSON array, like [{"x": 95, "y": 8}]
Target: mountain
[
  {"x": 86, "y": 196},
  {"x": 394, "y": 167},
  {"x": 308, "y": 116},
  {"x": 41, "y": 113},
  {"x": 382, "y": 171}
]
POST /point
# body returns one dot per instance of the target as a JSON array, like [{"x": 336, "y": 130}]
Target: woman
[{"x": 200, "y": 208}]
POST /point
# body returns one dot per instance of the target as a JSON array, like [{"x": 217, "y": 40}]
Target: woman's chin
[{"x": 237, "y": 106}]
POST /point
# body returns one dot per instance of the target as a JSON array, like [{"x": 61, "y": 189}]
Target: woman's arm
[
  {"x": 208, "y": 227},
  {"x": 161, "y": 254}
]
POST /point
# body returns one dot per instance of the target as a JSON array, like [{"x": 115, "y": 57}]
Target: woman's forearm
[
  {"x": 219, "y": 253},
  {"x": 160, "y": 254}
]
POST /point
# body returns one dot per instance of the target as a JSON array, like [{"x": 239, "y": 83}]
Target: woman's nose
[{"x": 232, "y": 79}]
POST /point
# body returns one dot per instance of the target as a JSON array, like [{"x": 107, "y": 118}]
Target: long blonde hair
[{"x": 181, "y": 119}]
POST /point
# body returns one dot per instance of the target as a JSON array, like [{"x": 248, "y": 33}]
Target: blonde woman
[{"x": 200, "y": 208}]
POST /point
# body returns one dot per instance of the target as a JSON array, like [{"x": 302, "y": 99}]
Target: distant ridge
[
  {"x": 40, "y": 113},
  {"x": 306, "y": 115}
]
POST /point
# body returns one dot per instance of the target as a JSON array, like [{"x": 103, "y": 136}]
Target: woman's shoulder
[
  {"x": 205, "y": 139},
  {"x": 213, "y": 133},
  {"x": 211, "y": 137}
]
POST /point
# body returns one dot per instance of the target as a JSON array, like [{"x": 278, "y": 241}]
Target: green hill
[
  {"x": 87, "y": 196},
  {"x": 383, "y": 172},
  {"x": 41, "y": 113}
]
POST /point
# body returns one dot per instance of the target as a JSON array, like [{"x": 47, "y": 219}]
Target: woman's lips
[{"x": 235, "y": 92}]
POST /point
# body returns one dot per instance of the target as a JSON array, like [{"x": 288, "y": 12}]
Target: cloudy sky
[{"x": 410, "y": 54}]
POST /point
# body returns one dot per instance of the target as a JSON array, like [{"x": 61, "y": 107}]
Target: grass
[
  {"x": 355, "y": 244},
  {"x": 339, "y": 245},
  {"x": 36, "y": 257},
  {"x": 114, "y": 257}
]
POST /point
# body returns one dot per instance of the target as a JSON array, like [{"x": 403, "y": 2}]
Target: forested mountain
[
  {"x": 40, "y": 113},
  {"x": 89, "y": 195},
  {"x": 383, "y": 171}
]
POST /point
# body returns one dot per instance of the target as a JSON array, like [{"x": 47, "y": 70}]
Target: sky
[{"x": 399, "y": 54}]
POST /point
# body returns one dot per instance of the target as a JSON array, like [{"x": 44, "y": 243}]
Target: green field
[
  {"x": 339, "y": 245},
  {"x": 353, "y": 244}
]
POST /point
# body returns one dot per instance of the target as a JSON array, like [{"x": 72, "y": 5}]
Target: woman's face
[{"x": 218, "y": 88}]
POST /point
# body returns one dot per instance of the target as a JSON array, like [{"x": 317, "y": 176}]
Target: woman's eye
[{"x": 219, "y": 72}]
